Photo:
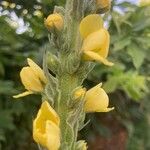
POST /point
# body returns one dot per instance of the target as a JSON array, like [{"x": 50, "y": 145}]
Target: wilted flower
[
  {"x": 32, "y": 78},
  {"x": 54, "y": 21},
  {"x": 46, "y": 129},
  {"x": 96, "y": 39}
]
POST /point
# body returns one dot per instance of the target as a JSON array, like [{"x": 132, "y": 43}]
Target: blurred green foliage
[{"x": 127, "y": 81}]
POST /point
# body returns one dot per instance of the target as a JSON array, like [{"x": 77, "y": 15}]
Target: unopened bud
[
  {"x": 103, "y": 6},
  {"x": 54, "y": 21}
]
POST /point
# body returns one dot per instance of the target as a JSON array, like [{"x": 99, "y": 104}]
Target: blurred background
[{"x": 22, "y": 35}]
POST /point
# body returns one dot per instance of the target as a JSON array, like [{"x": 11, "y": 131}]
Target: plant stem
[{"x": 67, "y": 82}]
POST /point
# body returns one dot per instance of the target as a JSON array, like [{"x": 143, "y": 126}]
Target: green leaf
[
  {"x": 6, "y": 120},
  {"x": 122, "y": 43},
  {"x": 142, "y": 24},
  {"x": 136, "y": 54},
  {"x": 111, "y": 85}
]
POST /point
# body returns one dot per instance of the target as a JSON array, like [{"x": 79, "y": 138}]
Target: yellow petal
[
  {"x": 49, "y": 113},
  {"x": 105, "y": 46},
  {"x": 38, "y": 136},
  {"x": 53, "y": 136},
  {"x": 106, "y": 110},
  {"x": 89, "y": 55},
  {"x": 45, "y": 113},
  {"x": 23, "y": 94},
  {"x": 45, "y": 125},
  {"x": 30, "y": 80},
  {"x": 37, "y": 70},
  {"x": 96, "y": 100},
  {"x": 54, "y": 20},
  {"x": 98, "y": 42},
  {"x": 90, "y": 24}
]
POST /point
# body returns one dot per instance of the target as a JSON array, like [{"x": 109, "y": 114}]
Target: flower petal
[
  {"x": 105, "y": 46},
  {"x": 53, "y": 136},
  {"x": 38, "y": 136},
  {"x": 37, "y": 70},
  {"x": 45, "y": 113},
  {"x": 98, "y": 42},
  {"x": 90, "y": 24},
  {"x": 106, "y": 110},
  {"x": 23, "y": 94},
  {"x": 89, "y": 55},
  {"x": 30, "y": 80}
]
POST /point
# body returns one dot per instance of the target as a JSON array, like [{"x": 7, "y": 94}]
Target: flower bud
[
  {"x": 54, "y": 21},
  {"x": 103, "y": 6},
  {"x": 79, "y": 93}
]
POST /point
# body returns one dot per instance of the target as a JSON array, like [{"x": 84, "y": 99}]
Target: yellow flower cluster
[
  {"x": 33, "y": 79},
  {"x": 96, "y": 39}
]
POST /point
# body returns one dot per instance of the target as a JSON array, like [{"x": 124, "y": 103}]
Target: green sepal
[{"x": 53, "y": 62}]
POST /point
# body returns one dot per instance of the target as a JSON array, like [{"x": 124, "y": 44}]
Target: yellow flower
[
  {"x": 144, "y": 2},
  {"x": 96, "y": 39},
  {"x": 54, "y": 21},
  {"x": 96, "y": 100},
  {"x": 46, "y": 129},
  {"x": 32, "y": 78}
]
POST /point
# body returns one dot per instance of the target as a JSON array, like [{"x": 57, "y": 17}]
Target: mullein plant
[{"x": 77, "y": 39}]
